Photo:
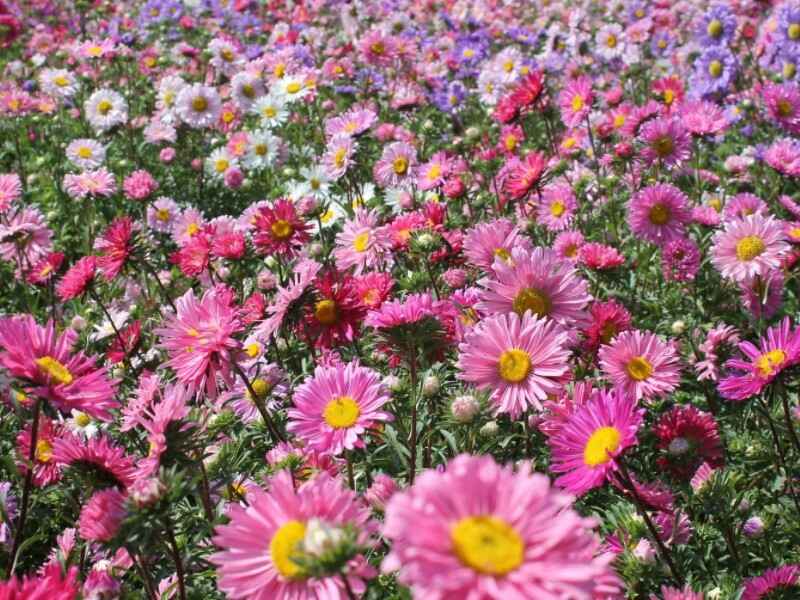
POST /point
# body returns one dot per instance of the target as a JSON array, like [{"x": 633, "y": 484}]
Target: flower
[
  {"x": 640, "y": 364},
  {"x": 486, "y": 241},
  {"x": 777, "y": 350},
  {"x": 557, "y": 207},
  {"x": 139, "y": 185},
  {"x": 666, "y": 141},
  {"x": 659, "y": 214},
  {"x": 162, "y": 213},
  {"x": 198, "y": 105},
  {"x": 68, "y": 380},
  {"x": 536, "y": 281},
  {"x": 80, "y": 276},
  {"x": 268, "y": 382},
  {"x": 680, "y": 260},
  {"x": 50, "y": 583},
  {"x": 263, "y": 542},
  {"x": 520, "y": 359},
  {"x": 362, "y": 244},
  {"x": 86, "y": 153},
  {"x": 336, "y": 314},
  {"x": 523, "y": 174},
  {"x": 480, "y": 530},
  {"x": 396, "y": 165},
  {"x": 717, "y": 26},
  {"x": 199, "y": 339},
  {"x": 45, "y": 469},
  {"x": 780, "y": 578},
  {"x": 575, "y": 101},
  {"x": 105, "y": 109},
  {"x": 99, "y": 182},
  {"x": 100, "y": 454},
  {"x": 608, "y": 320},
  {"x": 754, "y": 245},
  {"x": 115, "y": 246},
  {"x": 687, "y": 437},
  {"x": 279, "y": 229},
  {"x": 334, "y": 407},
  {"x": 586, "y": 447},
  {"x": 286, "y": 297},
  {"x": 714, "y": 71},
  {"x": 102, "y": 515},
  {"x": 10, "y": 190}
]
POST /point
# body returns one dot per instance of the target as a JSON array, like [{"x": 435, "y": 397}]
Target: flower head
[{"x": 640, "y": 365}]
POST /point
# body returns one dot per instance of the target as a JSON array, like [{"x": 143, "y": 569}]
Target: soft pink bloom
[
  {"x": 102, "y": 515},
  {"x": 139, "y": 185},
  {"x": 363, "y": 244},
  {"x": 575, "y": 101},
  {"x": 336, "y": 406},
  {"x": 557, "y": 207},
  {"x": 754, "y": 245},
  {"x": 483, "y": 531},
  {"x": 99, "y": 182},
  {"x": 520, "y": 360},
  {"x": 640, "y": 364},
  {"x": 486, "y": 241},
  {"x": 396, "y": 166},
  {"x": 10, "y": 190}
]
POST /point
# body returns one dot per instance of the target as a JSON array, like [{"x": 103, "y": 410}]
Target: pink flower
[
  {"x": 139, "y": 185},
  {"x": 587, "y": 445},
  {"x": 259, "y": 544},
  {"x": 557, "y": 207},
  {"x": 520, "y": 360},
  {"x": 334, "y": 408},
  {"x": 575, "y": 101},
  {"x": 479, "y": 530},
  {"x": 10, "y": 190},
  {"x": 116, "y": 246},
  {"x": 396, "y": 165},
  {"x": 659, "y": 214},
  {"x": 80, "y": 276},
  {"x": 199, "y": 339},
  {"x": 754, "y": 245},
  {"x": 99, "y": 453},
  {"x": 99, "y": 182},
  {"x": 362, "y": 244},
  {"x": 102, "y": 515},
  {"x": 666, "y": 141},
  {"x": 640, "y": 365},
  {"x": 486, "y": 241}
]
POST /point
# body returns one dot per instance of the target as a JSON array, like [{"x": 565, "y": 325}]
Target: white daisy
[
  {"x": 168, "y": 90},
  {"x": 261, "y": 151},
  {"x": 272, "y": 109},
  {"x": 219, "y": 162},
  {"x": 86, "y": 153},
  {"x": 105, "y": 109},
  {"x": 58, "y": 83},
  {"x": 246, "y": 88},
  {"x": 198, "y": 105}
]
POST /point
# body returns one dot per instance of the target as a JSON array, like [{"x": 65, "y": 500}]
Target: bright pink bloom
[
  {"x": 80, "y": 276},
  {"x": 754, "y": 245},
  {"x": 659, "y": 214},
  {"x": 115, "y": 246},
  {"x": 102, "y": 515}
]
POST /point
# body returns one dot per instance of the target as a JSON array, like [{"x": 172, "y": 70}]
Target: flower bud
[
  {"x": 490, "y": 429},
  {"x": 430, "y": 386},
  {"x": 378, "y": 494},
  {"x": 464, "y": 408}
]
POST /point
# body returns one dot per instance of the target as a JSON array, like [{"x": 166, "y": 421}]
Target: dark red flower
[
  {"x": 688, "y": 437},
  {"x": 253, "y": 308},
  {"x": 279, "y": 229},
  {"x": 608, "y": 319},
  {"x": 130, "y": 339},
  {"x": 337, "y": 312}
]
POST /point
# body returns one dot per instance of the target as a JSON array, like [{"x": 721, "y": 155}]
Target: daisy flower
[
  {"x": 168, "y": 90},
  {"x": 86, "y": 153},
  {"x": 58, "y": 83},
  {"x": 433, "y": 173},
  {"x": 480, "y": 530},
  {"x": 338, "y": 156},
  {"x": 523, "y": 174},
  {"x": 557, "y": 207},
  {"x": 246, "y": 88},
  {"x": 362, "y": 244},
  {"x": 292, "y": 87},
  {"x": 261, "y": 542},
  {"x": 486, "y": 241},
  {"x": 10, "y": 190},
  {"x": 198, "y": 105},
  {"x": 640, "y": 365},
  {"x": 666, "y": 141},
  {"x": 161, "y": 214},
  {"x": 98, "y": 182},
  {"x": 521, "y": 360},
  {"x": 115, "y": 246},
  {"x": 659, "y": 214},
  {"x": 106, "y": 460},
  {"x": 396, "y": 165},
  {"x": 105, "y": 109},
  {"x": 279, "y": 229},
  {"x": 609, "y": 41},
  {"x": 199, "y": 340},
  {"x": 45, "y": 469},
  {"x": 762, "y": 586},
  {"x": 586, "y": 447},
  {"x": 754, "y": 245},
  {"x": 52, "y": 371},
  {"x": 575, "y": 101},
  {"x": 262, "y": 150},
  {"x": 335, "y": 407},
  {"x": 271, "y": 109},
  {"x": 225, "y": 56},
  {"x": 777, "y": 350},
  {"x": 218, "y": 163},
  {"x": 536, "y": 281},
  {"x": 268, "y": 380},
  {"x": 77, "y": 279}
]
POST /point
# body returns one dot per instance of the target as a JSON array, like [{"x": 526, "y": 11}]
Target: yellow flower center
[
  {"x": 715, "y": 68},
  {"x": 150, "y": 61},
  {"x": 639, "y": 368},
  {"x": 253, "y": 350},
  {"x": 577, "y": 103},
  {"x": 716, "y": 204},
  {"x": 400, "y": 165},
  {"x": 663, "y": 146},
  {"x": 662, "y": 43},
  {"x": 434, "y": 172},
  {"x": 228, "y": 116},
  {"x": 769, "y": 362},
  {"x": 378, "y": 48},
  {"x": 361, "y": 242},
  {"x": 669, "y": 96},
  {"x": 82, "y": 419},
  {"x": 279, "y": 70},
  {"x": 784, "y": 107},
  {"x": 659, "y": 214},
  {"x": 61, "y": 81},
  {"x": 326, "y": 312},
  {"x": 44, "y": 451},
  {"x": 533, "y": 300},
  {"x": 94, "y": 51},
  {"x": 514, "y": 365},
  {"x": 789, "y": 69},
  {"x": 162, "y": 214},
  {"x": 269, "y": 111},
  {"x": 341, "y": 412},
  {"x": 793, "y": 31},
  {"x": 508, "y": 66},
  {"x": 600, "y": 445},
  {"x": 487, "y": 544},
  {"x": 261, "y": 387},
  {"x": 221, "y": 165},
  {"x": 557, "y": 208},
  {"x": 85, "y": 152},
  {"x": 104, "y": 106},
  {"x": 511, "y": 142},
  {"x": 339, "y": 156},
  {"x": 285, "y": 545},
  {"x": 56, "y": 370},
  {"x": 293, "y": 87},
  {"x": 714, "y": 28},
  {"x": 749, "y": 248},
  {"x": 502, "y": 253},
  {"x": 619, "y": 120},
  {"x": 607, "y": 332},
  {"x": 282, "y": 229},
  {"x": 611, "y": 41},
  {"x": 199, "y": 104},
  {"x": 227, "y": 54},
  {"x": 192, "y": 229}
]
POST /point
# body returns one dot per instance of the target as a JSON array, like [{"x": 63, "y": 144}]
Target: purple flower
[
  {"x": 716, "y": 27},
  {"x": 714, "y": 71}
]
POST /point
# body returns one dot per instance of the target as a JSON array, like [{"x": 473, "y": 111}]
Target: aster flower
[
  {"x": 687, "y": 437},
  {"x": 45, "y": 269},
  {"x": 666, "y": 141},
  {"x": 199, "y": 339},
  {"x": 585, "y": 449},
  {"x": 105, "y": 109},
  {"x": 352, "y": 123},
  {"x": 659, "y": 214},
  {"x": 743, "y": 205},
  {"x": 161, "y": 214},
  {"x": 86, "y": 153},
  {"x": 480, "y": 530},
  {"x": 536, "y": 281},
  {"x": 680, "y": 260},
  {"x": 98, "y": 182},
  {"x": 78, "y": 278},
  {"x": 100, "y": 455},
  {"x": 788, "y": 26},
  {"x": 575, "y": 101},
  {"x": 102, "y": 515},
  {"x": 287, "y": 297},
  {"x": 268, "y": 380},
  {"x": 640, "y": 365},
  {"x": 599, "y": 256},
  {"x": 557, "y": 207},
  {"x": 714, "y": 71},
  {"x": 51, "y": 583},
  {"x": 521, "y": 360},
  {"x": 338, "y": 156},
  {"x": 336, "y": 313},
  {"x": 701, "y": 117},
  {"x": 362, "y": 244},
  {"x": 485, "y": 241},
  {"x": 523, "y": 174},
  {"x": 608, "y": 320},
  {"x": 763, "y": 296},
  {"x": 335, "y": 407},
  {"x": 783, "y": 105},
  {"x": 396, "y": 166},
  {"x": 278, "y": 520},
  {"x": 53, "y": 372},
  {"x": 783, "y": 155},
  {"x": 10, "y": 190},
  {"x": 45, "y": 469},
  {"x": 717, "y": 26},
  {"x": 771, "y": 580},
  {"x": 777, "y": 350},
  {"x": 198, "y": 105},
  {"x": 246, "y": 88},
  {"x": 25, "y": 238},
  {"x": 279, "y": 229},
  {"x": 754, "y": 245},
  {"x": 115, "y": 246},
  {"x": 567, "y": 245}
]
